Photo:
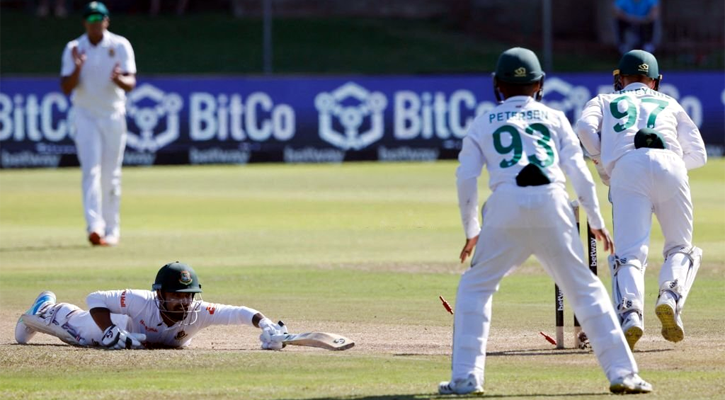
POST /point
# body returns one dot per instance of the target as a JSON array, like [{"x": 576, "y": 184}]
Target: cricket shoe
[
  {"x": 630, "y": 384},
  {"x": 666, "y": 310},
  {"x": 461, "y": 386},
  {"x": 112, "y": 240},
  {"x": 632, "y": 328},
  {"x": 97, "y": 240},
  {"x": 23, "y": 333}
]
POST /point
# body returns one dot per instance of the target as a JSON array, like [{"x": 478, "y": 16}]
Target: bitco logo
[
  {"x": 158, "y": 106},
  {"x": 350, "y": 105}
]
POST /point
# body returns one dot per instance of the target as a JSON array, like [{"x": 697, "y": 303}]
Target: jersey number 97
[{"x": 630, "y": 112}]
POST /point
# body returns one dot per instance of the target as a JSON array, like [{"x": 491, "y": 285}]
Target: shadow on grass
[
  {"x": 535, "y": 352},
  {"x": 44, "y": 248},
  {"x": 552, "y": 352},
  {"x": 513, "y": 353},
  {"x": 503, "y": 396},
  {"x": 471, "y": 396}
]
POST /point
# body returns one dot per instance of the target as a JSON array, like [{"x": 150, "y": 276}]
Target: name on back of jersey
[{"x": 518, "y": 115}]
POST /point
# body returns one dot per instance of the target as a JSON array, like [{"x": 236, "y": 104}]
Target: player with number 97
[{"x": 644, "y": 143}]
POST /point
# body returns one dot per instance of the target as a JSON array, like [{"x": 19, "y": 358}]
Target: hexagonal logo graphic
[
  {"x": 149, "y": 107},
  {"x": 352, "y": 108},
  {"x": 565, "y": 97}
]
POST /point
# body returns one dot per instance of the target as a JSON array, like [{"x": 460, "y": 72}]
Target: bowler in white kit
[
  {"x": 643, "y": 143},
  {"x": 168, "y": 316},
  {"x": 98, "y": 69},
  {"x": 527, "y": 147}
]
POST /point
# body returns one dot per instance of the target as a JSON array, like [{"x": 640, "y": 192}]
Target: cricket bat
[{"x": 323, "y": 340}]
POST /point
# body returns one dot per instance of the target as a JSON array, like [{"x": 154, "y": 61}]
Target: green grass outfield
[{"x": 361, "y": 249}]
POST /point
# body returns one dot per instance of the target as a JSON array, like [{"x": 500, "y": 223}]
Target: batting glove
[
  {"x": 115, "y": 338},
  {"x": 272, "y": 335}
]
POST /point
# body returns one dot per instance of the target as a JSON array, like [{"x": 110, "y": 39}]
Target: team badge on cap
[
  {"x": 185, "y": 278},
  {"x": 643, "y": 68},
  {"x": 520, "y": 72}
]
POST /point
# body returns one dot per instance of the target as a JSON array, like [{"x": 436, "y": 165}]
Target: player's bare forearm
[
  {"x": 102, "y": 317},
  {"x": 68, "y": 83},
  {"x": 468, "y": 248},
  {"x": 125, "y": 82},
  {"x": 256, "y": 318}
]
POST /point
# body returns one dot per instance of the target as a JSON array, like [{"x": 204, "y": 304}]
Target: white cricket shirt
[
  {"x": 515, "y": 133},
  {"x": 618, "y": 116},
  {"x": 96, "y": 92},
  {"x": 141, "y": 306}
]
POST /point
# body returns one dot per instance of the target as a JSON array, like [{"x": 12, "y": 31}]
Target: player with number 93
[{"x": 527, "y": 149}]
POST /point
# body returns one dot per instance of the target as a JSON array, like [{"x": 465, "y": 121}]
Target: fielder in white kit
[
  {"x": 644, "y": 143},
  {"x": 526, "y": 147},
  {"x": 98, "y": 69},
  {"x": 167, "y": 317}
]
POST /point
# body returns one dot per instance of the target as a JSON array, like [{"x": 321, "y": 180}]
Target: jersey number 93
[{"x": 516, "y": 146}]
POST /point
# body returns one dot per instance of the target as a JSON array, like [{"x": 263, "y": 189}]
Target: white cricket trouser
[
  {"x": 646, "y": 181},
  {"x": 100, "y": 143},
  {"x": 80, "y": 325},
  {"x": 519, "y": 222}
]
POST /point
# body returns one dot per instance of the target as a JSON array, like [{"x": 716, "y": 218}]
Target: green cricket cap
[
  {"x": 518, "y": 66},
  {"x": 95, "y": 11},
  {"x": 639, "y": 62}
]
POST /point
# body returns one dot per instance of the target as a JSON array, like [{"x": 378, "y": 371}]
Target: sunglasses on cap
[{"x": 95, "y": 18}]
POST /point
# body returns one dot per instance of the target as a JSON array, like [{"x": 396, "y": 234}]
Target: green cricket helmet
[
  {"x": 177, "y": 277},
  {"x": 637, "y": 62},
  {"x": 518, "y": 66}
]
